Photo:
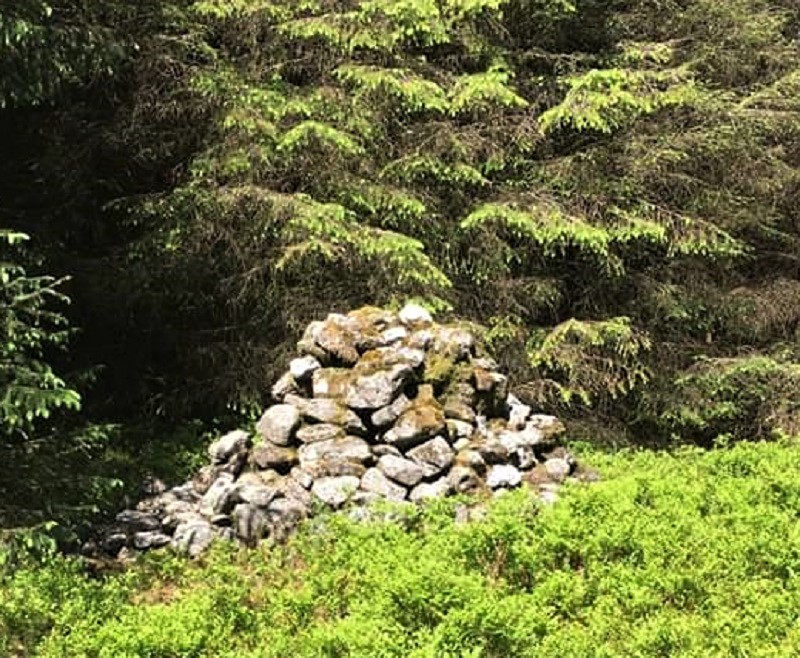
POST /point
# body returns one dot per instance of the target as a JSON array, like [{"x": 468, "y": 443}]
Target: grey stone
[
  {"x": 382, "y": 449},
  {"x": 331, "y": 382},
  {"x": 334, "y": 466},
  {"x": 260, "y": 496},
  {"x": 193, "y": 537},
  {"x": 249, "y": 522},
  {"x": 320, "y": 432},
  {"x": 376, "y": 482},
  {"x": 492, "y": 451},
  {"x": 143, "y": 541},
  {"x": 414, "y": 314},
  {"x": 269, "y": 456},
  {"x": 401, "y": 470},
  {"x": 389, "y": 414},
  {"x": 303, "y": 367},
  {"x": 518, "y": 415},
  {"x": 463, "y": 479},
  {"x": 307, "y": 345},
  {"x": 427, "y": 490},
  {"x": 435, "y": 456},
  {"x": 329, "y": 411},
  {"x": 114, "y": 542},
  {"x": 393, "y": 335},
  {"x": 350, "y": 447},
  {"x": 548, "y": 497},
  {"x": 228, "y": 446},
  {"x": 472, "y": 459},
  {"x": 134, "y": 520},
  {"x": 558, "y": 468},
  {"x": 529, "y": 436},
  {"x": 454, "y": 342},
  {"x": 219, "y": 497},
  {"x": 286, "y": 385},
  {"x": 458, "y": 429},
  {"x": 503, "y": 475},
  {"x": 335, "y": 491},
  {"x": 294, "y": 490},
  {"x": 550, "y": 426},
  {"x": 419, "y": 423},
  {"x": 524, "y": 457},
  {"x": 284, "y": 515},
  {"x": 373, "y": 390},
  {"x": 457, "y": 409},
  {"x": 337, "y": 338},
  {"x": 302, "y": 477},
  {"x": 278, "y": 424},
  {"x": 421, "y": 339}
]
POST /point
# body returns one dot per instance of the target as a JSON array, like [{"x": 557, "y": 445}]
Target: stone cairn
[{"x": 378, "y": 405}]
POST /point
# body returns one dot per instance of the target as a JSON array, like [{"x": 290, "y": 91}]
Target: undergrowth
[{"x": 691, "y": 553}]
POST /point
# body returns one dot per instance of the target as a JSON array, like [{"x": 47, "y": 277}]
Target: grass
[{"x": 689, "y": 553}]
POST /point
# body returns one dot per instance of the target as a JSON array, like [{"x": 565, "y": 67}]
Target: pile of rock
[{"x": 378, "y": 405}]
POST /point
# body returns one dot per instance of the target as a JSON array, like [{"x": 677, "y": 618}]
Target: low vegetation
[{"x": 690, "y": 553}]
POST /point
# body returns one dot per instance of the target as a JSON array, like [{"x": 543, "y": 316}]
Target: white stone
[
  {"x": 434, "y": 456},
  {"x": 503, "y": 475},
  {"x": 393, "y": 335},
  {"x": 335, "y": 491},
  {"x": 378, "y": 389},
  {"x": 350, "y": 447},
  {"x": 227, "y": 446},
  {"x": 428, "y": 490},
  {"x": 401, "y": 470},
  {"x": 557, "y": 468},
  {"x": 278, "y": 424},
  {"x": 303, "y": 367},
  {"x": 414, "y": 314},
  {"x": 374, "y": 481}
]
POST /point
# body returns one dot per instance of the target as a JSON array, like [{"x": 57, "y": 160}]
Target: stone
[
  {"x": 193, "y": 537},
  {"x": 382, "y": 449},
  {"x": 428, "y": 490},
  {"x": 524, "y": 457},
  {"x": 414, "y": 314},
  {"x": 472, "y": 459},
  {"x": 374, "y": 481},
  {"x": 503, "y": 475},
  {"x": 434, "y": 456},
  {"x": 270, "y": 456},
  {"x": 548, "y": 497},
  {"x": 393, "y": 335},
  {"x": 492, "y": 451},
  {"x": 550, "y": 426},
  {"x": 350, "y": 447},
  {"x": 529, "y": 436},
  {"x": 229, "y": 445},
  {"x": 219, "y": 497},
  {"x": 423, "y": 420},
  {"x": 278, "y": 424},
  {"x": 249, "y": 523},
  {"x": 143, "y": 541},
  {"x": 558, "y": 469},
  {"x": 457, "y": 409},
  {"x": 458, "y": 429},
  {"x": 286, "y": 385},
  {"x": 204, "y": 478},
  {"x": 260, "y": 496},
  {"x": 284, "y": 515},
  {"x": 307, "y": 345},
  {"x": 518, "y": 414},
  {"x": 389, "y": 414},
  {"x": 291, "y": 488},
  {"x": 456, "y": 343},
  {"x": 114, "y": 542},
  {"x": 329, "y": 411},
  {"x": 303, "y": 367},
  {"x": 338, "y": 340},
  {"x": 463, "y": 479},
  {"x": 330, "y": 382},
  {"x": 421, "y": 339},
  {"x": 461, "y": 444},
  {"x": 333, "y": 466},
  {"x": 134, "y": 520},
  {"x": 401, "y": 470},
  {"x": 373, "y": 390},
  {"x": 335, "y": 491},
  {"x": 303, "y": 477},
  {"x": 321, "y": 432}
]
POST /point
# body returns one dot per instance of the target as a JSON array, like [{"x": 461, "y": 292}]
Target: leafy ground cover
[{"x": 686, "y": 554}]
